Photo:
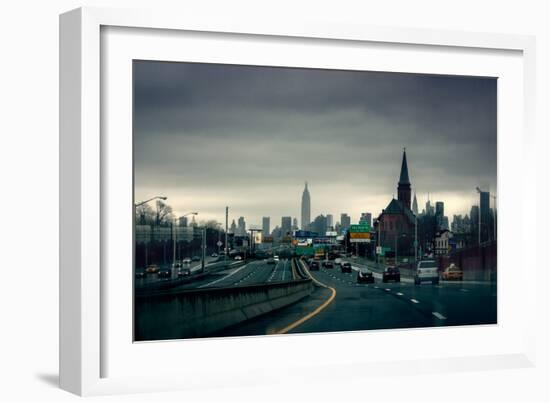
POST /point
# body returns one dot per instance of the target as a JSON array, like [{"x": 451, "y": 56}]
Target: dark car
[
  {"x": 391, "y": 273},
  {"x": 314, "y": 265},
  {"x": 345, "y": 267},
  {"x": 195, "y": 259},
  {"x": 365, "y": 276},
  {"x": 140, "y": 274},
  {"x": 165, "y": 273},
  {"x": 184, "y": 272},
  {"x": 328, "y": 264}
]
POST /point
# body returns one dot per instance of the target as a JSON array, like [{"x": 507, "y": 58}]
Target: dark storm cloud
[{"x": 241, "y": 133}]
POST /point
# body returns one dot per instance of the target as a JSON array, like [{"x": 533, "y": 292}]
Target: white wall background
[{"x": 29, "y": 197}]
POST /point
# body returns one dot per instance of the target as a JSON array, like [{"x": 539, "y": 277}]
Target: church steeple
[
  {"x": 404, "y": 176},
  {"x": 404, "y": 185}
]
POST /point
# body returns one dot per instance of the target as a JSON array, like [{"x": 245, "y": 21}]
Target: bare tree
[
  {"x": 164, "y": 213},
  {"x": 144, "y": 215}
]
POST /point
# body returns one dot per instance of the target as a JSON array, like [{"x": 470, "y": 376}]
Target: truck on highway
[{"x": 319, "y": 254}]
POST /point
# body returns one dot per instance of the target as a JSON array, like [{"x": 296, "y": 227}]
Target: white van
[{"x": 426, "y": 270}]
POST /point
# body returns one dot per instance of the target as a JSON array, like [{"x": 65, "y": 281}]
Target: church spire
[
  {"x": 415, "y": 204},
  {"x": 404, "y": 185},
  {"x": 404, "y": 176}
]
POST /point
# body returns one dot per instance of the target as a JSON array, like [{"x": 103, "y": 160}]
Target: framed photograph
[{"x": 258, "y": 193}]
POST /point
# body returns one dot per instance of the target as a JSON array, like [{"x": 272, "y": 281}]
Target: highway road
[
  {"x": 251, "y": 272},
  {"x": 347, "y": 306},
  {"x": 339, "y": 303},
  {"x": 154, "y": 278}
]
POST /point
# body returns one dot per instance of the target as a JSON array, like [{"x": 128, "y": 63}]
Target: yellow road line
[{"x": 311, "y": 314}]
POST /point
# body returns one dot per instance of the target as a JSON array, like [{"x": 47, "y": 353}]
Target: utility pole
[
  {"x": 226, "y": 223},
  {"x": 174, "y": 243},
  {"x": 203, "y": 248},
  {"x": 415, "y": 239},
  {"x": 219, "y": 237}
]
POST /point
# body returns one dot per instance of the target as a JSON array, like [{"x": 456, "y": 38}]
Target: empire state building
[{"x": 306, "y": 210}]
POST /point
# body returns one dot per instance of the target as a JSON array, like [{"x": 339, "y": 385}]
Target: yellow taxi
[
  {"x": 452, "y": 272},
  {"x": 152, "y": 268}
]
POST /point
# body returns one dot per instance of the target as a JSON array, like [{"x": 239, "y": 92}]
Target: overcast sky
[{"x": 210, "y": 135}]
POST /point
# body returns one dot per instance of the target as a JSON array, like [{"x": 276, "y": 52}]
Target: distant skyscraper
[
  {"x": 485, "y": 212},
  {"x": 286, "y": 226},
  {"x": 345, "y": 221},
  {"x": 306, "y": 209},
  {"x": 233, "y": 228},
  {"x": 439, "y": 208},
  {"x": 366, "y": 218},
  {"x": 415, "y": 205},
  {"x": 294, "y": 224},
  {"x": 319, "y": 225},
  {"x": 242, "y": 227},
  {"x": 330, "y": 221},
  {"x": 183, "y": 221},
  {"x": 440, "y": 219},
  {"x": 265, "y": 226},
  {"x": 474, "y": 222},
  {"x": 429, "y": 207}
]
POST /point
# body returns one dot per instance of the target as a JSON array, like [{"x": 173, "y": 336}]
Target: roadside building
[
  {"x": 442, "y": 242},
  {"x": 396, "y": 223}
]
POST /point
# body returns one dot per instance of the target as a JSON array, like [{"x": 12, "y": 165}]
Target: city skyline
[{"x": 238, "y": 145}]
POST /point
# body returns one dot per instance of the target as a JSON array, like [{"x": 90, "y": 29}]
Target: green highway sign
[{"x": 359, "y": 228}]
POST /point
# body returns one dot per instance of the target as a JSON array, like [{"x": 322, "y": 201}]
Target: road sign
[
  {"x": 359, "y": 240},
  {"x": 219, "y": 243},
  {"x": 359, "y": 235},
  {"x": 359, "y": 228}
]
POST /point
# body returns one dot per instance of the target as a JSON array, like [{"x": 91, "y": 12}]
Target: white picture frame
[{"x": 84, "y": 177}]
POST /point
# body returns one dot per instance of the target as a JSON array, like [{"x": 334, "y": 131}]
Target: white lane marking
[
  {"x": 238, "y": 269},
  {"x": 438, "y": 315},
  {"x": 274, "y": 271},
  {"x": 463, "y": 290},
  {"x": 375, "y": 286},
  {"x": 415, "y": 301},
  {"x": 284, "y": 270},
  {"x": 387, "y": 289},
  {"x": 399, "y": 293}
]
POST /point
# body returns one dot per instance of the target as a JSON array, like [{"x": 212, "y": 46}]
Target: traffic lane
[
  {"x": 223, "y": 278},
  {"x": 273, "y": 322},
  {"x": 362, "y": 307},
  {"x": 460, "y": 304},
  {"x": 253, "y": 272},
  {"x": 259, "y": 274},
  {"x": 281, "y": 271},
  {"x": 154, "y": 277},
  {"x": 456, "y": 303}
]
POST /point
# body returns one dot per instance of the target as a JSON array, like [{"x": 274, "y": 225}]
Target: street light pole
[
  {"x": 219, "y": 236},
  {"x": 203, "y": 249},
  {"x": 151, "y": 199},
  {"x": 226, "y": 224},
  {"x": 416, "y": 257}
]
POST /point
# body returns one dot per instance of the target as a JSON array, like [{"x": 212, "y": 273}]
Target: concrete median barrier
[{"x": 202, "y": 312}]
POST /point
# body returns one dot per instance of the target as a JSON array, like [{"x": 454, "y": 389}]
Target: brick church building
[{"x": 396, "y": 222}]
